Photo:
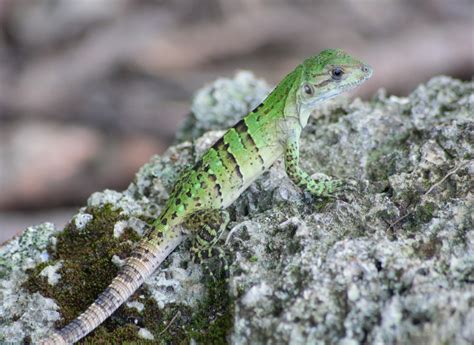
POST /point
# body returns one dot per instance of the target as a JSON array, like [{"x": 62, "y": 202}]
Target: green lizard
[{"x": 196, "y": 205}]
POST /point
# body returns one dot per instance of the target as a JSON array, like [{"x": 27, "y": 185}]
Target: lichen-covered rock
[
  {"x": 21, "y": 312},
  {"x": 389, "y": 261}
]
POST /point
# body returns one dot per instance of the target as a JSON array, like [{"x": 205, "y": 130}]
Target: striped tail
[{"x": 139, "y": 266}]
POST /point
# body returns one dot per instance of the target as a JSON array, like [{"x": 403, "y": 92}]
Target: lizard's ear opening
[{"x": 308, "y": 89}]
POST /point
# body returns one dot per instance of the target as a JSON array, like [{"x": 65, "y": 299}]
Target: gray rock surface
[{"x": 389, "y": 261}]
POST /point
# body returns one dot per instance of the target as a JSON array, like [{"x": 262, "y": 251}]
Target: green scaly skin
[{"x": 244, "y": 152}]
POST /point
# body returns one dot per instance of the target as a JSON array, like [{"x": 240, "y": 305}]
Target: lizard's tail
[{"x": 140, "y": 265}]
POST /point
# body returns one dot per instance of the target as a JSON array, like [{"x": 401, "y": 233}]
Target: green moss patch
[
  {"x": 87, "y": 270},
  {"x": 86, "y": 256},
  {"x": 208, "y": 323}
]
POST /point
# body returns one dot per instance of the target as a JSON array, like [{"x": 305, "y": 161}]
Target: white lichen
[
  {"x": 118, "y": 201},
  {"x": 145, "y": 334},
  {"x": 50, "y": 272},
  {"x": 81, "y": 220},
  {"x": 136, "y": 224},
  {"x": 176, "y": 284},
  {"x": 137, "y": 305},
  {"x": 117, "y": 261},
  {"x": 256, "y": 294},
  {"x": 119, "y": 228},
  {"x": 23, "y": 313}
]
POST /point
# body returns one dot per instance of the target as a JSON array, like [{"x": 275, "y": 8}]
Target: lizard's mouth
[
  {"x": 352, "y": 85},
  {"x": 337, "y": 91}
]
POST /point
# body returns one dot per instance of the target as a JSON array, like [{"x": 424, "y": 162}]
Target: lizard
[{"x": 197, "y": 202}]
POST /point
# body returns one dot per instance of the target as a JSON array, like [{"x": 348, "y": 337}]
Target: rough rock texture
[{"x": 389, "y": 261}]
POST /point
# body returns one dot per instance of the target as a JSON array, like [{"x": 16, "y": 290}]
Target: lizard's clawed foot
[
  {"x": 207, "y": 227},
  {"x": 205, "y": 257},
  {"x": 325, "y": 187}
]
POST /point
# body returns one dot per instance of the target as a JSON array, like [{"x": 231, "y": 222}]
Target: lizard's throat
[{"x": 304, "y": 112}]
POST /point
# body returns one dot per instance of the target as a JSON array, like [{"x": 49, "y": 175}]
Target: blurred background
[{"x": 90, "y": 89}]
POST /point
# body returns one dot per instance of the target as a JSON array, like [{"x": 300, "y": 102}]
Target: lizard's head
[{"x": 328, "y": 74}]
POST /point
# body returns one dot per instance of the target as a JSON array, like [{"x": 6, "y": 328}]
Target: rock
[
  {"x": 21, "y": 312},
  {"x": 388, "y": 262},
  {"x": 377, "y": 267}
]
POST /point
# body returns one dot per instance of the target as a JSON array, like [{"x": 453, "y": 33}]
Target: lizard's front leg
[
  {"x": 322, "y": 188},
  {"x": 206, "y": 228}
]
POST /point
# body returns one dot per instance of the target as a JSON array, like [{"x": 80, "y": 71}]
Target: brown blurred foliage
[{"x": 90, "y": 89}]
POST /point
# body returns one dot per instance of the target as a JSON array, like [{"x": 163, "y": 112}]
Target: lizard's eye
[
  {"x": 336, "y": 73},
  {"x": 308, "y": 89}
]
